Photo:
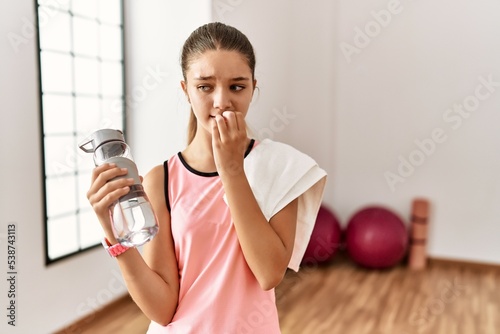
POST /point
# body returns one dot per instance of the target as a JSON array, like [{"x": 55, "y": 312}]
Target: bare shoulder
[
  {"x": 154, "y": 182},
  {"x": 155, "y": 174}
]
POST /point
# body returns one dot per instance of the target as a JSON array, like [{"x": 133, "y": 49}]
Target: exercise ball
[
  {"x": 325, "y": 238},
  {"x": 376, "y": 238}
]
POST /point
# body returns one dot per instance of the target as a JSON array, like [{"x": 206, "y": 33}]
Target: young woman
[{"x": 216, "y": 259}]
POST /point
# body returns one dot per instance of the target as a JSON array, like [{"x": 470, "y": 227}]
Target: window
[{"x": 82, "y": 90}]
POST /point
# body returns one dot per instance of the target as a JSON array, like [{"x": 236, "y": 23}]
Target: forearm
[
  {"x": 266, "y": 245},
  {"x": 262, "y": 247},
  {"x": 156, "y": 299},
  {"x": 151, "y": 281}
]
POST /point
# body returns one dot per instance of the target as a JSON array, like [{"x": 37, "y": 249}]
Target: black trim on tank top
[
  {"x": 210, "y": 174},
  {"x": 165, "y": 169},
  {"x": 250, "y": 146}
]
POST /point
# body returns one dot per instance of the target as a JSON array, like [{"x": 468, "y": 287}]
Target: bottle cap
[{"x": 96, "y": 139}]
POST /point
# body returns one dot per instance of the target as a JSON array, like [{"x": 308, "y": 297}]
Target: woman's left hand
[{"x": 229, "y": 142}]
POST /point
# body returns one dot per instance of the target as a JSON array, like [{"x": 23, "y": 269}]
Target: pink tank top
[{"x": 218, "y": 292}]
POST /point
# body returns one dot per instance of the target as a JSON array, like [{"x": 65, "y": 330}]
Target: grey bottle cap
[{"x": 100, "y": 137}]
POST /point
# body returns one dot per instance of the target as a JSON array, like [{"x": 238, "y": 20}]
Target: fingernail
[
  {"x": 112, "y": 164},
  {"x": 123, "y": 169}
]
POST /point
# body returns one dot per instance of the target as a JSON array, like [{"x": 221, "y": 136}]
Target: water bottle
[{"x": 133, "y": 220}]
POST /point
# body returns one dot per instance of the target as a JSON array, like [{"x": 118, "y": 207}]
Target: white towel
[{"x": 278, "y": 173}]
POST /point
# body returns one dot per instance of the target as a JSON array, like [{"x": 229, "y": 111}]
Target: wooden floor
[{"x": 446, "y": 298}]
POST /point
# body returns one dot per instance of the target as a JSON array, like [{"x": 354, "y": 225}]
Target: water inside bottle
[{"x": 134, "y": 221}]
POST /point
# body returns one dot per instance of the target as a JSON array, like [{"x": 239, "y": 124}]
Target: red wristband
[{"x": 114, "y": 250}]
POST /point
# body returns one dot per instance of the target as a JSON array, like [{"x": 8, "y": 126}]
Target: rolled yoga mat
[{"x": 418, "y": 235}]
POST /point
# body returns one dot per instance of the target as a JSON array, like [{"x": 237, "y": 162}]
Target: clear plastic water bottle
[{"x": 133, "y": 220}]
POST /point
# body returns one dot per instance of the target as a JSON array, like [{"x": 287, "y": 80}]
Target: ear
[
  {"x": 184, "y": 89},
  {"x": 183, "y": 86},
  {"x": 254, "y": 86}
]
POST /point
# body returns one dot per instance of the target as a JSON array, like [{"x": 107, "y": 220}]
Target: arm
[
  {"x": 267, "y": 246},
  {"x": 152, "y": 280}
]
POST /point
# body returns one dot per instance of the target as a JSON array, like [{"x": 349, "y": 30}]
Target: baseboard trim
[
  {"x": 79, "y": 324},
  {"x": 464, "y": 263}
]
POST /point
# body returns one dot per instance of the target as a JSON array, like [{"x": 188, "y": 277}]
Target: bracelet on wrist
[{"x": 114, "y": 250}]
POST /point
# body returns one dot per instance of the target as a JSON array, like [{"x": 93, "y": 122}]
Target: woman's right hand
[{"x": 103, "y": 192}]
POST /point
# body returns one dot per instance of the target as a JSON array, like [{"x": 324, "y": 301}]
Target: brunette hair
[{"x": 214, "y": 36}]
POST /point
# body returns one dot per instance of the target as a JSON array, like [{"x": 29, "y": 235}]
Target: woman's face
[{"x": 218, "y": 81}]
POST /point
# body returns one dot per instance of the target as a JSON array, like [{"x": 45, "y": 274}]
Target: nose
[{"x": 222, "y": 100}]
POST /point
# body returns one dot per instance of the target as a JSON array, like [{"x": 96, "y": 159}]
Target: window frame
[{"x": 75, "y": 135}]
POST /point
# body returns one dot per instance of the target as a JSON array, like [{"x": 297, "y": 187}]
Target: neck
[{"x": 199, "y": 153}]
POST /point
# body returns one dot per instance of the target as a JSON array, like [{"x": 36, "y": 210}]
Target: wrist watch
[{"x": 114, "y": 250}]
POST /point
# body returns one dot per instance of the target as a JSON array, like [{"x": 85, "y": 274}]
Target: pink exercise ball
[
  {"x": 376, "y": 238},
  {"x": 325, "y": 238}
]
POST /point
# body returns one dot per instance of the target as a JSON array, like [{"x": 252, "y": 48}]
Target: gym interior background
[{"x": 393, "y": 106}]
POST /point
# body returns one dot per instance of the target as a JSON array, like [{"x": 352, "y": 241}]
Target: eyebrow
[{"x": 211, "y": 77}]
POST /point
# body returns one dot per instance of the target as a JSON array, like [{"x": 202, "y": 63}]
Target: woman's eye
[
  {"x": 237, "y": 87},
  {"x": 204, "y": 88}
]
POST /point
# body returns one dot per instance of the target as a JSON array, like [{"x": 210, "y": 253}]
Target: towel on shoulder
[{"x": 279, "y": 173}]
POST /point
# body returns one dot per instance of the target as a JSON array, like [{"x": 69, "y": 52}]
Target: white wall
[
  {"x": 52, "y": 297},
  {"x": 157, "y": 116},
  {"x": 357, "y": 111},
  {"x": 396, "y": 91}
]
